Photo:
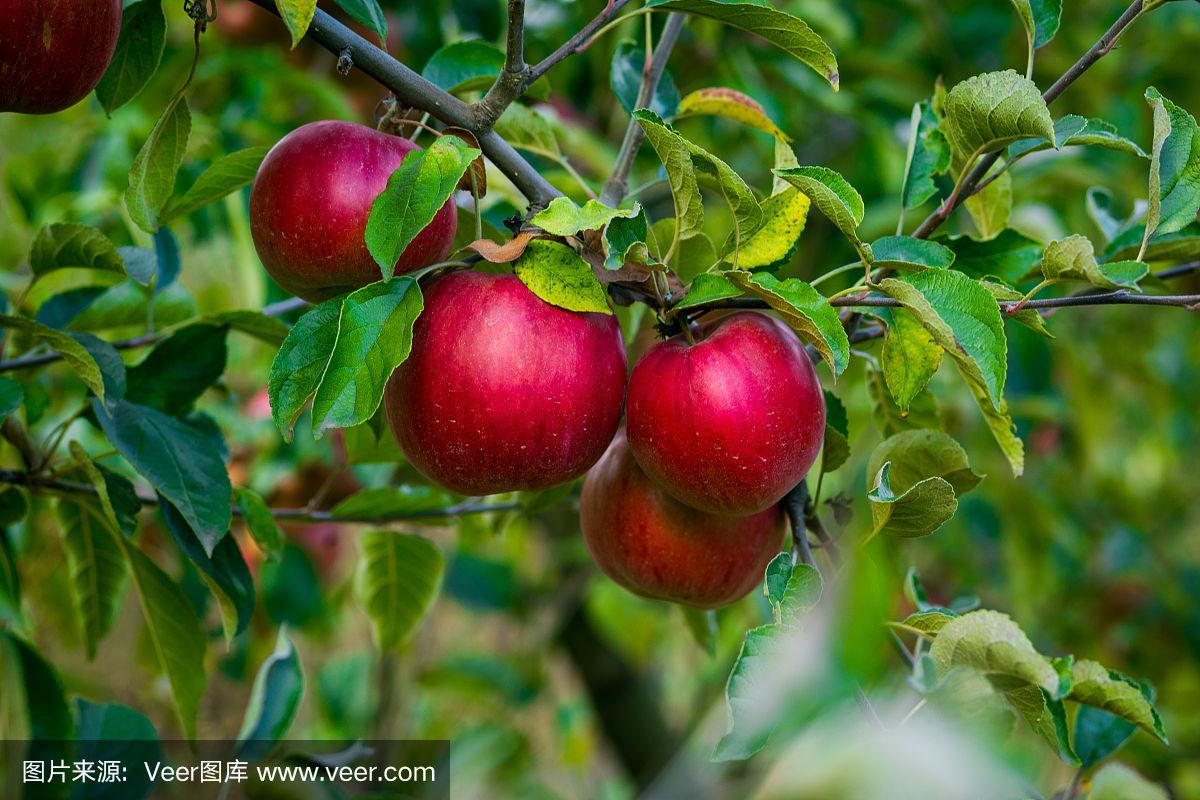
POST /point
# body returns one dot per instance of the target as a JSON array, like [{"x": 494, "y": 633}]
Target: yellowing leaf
[
  {"x": 731, "y": 104},
  {"x": 784, "y": 216}
]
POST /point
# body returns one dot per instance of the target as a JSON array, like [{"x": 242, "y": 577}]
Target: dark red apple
[
  {"x": 310, "y": 203},
  {"x": 503, "y": 392},
  {"x": 730, "y": 424},
  {"x": 655, "y": 546},
  {"x": 53, "y": 53}
]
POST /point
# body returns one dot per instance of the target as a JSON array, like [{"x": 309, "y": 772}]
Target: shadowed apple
[
  {"x": 656, "y": 547},
  {"x": 730, "y": 424},
  {"x": 503, "y": 392},
  {"x": 53, "y": 54},
  {"x": 310, "y": 203}
]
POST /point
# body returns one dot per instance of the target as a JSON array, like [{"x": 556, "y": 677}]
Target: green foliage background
[{"x": 1095, "y": 551}]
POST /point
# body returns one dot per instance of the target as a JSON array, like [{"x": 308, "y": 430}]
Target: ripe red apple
[
  {"x": 730, "y": 424},
  {"x": 310, "y": 203},
  {"x": 52, "y": 54},
  {"x": 655, "y": 546},
  {"x": 503, "y": 392}
]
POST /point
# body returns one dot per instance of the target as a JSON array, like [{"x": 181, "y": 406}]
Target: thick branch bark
[{"x": 511, "y": 82}]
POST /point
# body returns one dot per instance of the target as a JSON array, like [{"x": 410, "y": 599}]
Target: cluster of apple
[{"x": 503, "y": 392}]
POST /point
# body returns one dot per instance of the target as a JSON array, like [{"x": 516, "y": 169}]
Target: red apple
[
  {"x": 52, "y": 54},
  {"x": 730, "y": 424},
  {"x": 310, "y": 203},
  {"x": 655, "y": 546},
  {"x": 503, "y": 392}
]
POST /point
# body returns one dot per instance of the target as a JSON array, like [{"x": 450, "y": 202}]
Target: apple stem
[{"x": 685, "y": 326}]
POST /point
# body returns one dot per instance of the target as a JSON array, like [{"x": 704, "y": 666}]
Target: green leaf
[
  {"x": 913, "y": 512},
  {"x": 399, "y": 579},
  {"x": 1047, "y": 717},
  {"x": 676, "y": 158},
  {"x": 1010, "y": 256},
  {"x": 152, "y": 176},
  {"x": 801, "y": 595},
  {"x": 96, "y": 567},
  {"x": 703, "y": 627},
  {"x": 1073, "y": 131},
  {"x": 1183, "y": 245},
  {"x": 118, "y": 498},
  {"x": 181, "y": 462},
  {"x": 260, "y": 523},
  {"x": 45, "y": 703},
  {"x": 928, "y": 155},
  {"x": 11, "y": 397},
  {"x": 1099, "y": 734},
  {"x": 926, "y": 623},
  {"x": 559, "y": 276},
  {"x": 834, "y": 197},
  {"x": 563, "y": 217},
  {"x": 370, "y": 14},
  {"x": 300, "y": 364},
  {"x": 805, "y": 309},
  {"x": 223, "y": 571},
  {"x": 374, "y": 337},
  {"x": 627, "y": 240},
  {"x": 625, "y": 77},
  {"x": 748, "y": 729},
  {"x": 909, "y": 358},
  {"x": 74, "y": 353},
  {"x": 526, "y": 129},
  {"x": 225, "y": 175},
  {"x": 731, "y": 104},
  {"x": 65, "y": 245},
  {"x": 1029, "y": 317},
  {"x": 175, "y": 634},
  {"x": 836, "y": 449},
  {"x": 910, "y": 253},
  {"x": 775, "y": 578},
  {"x": 919, "y": 454},
  {"x": 747, "y": 214},
  {"x": 1174, "y": 168},
  {"x": 988, "y": 112},
  {"x": 179, "y": 369},
  {"x": 267, "y": 329},
  {"x": 991, "y": 207},
  {"x": 415, "y": 192},
  {"x": 708, "y": 287},
  {"x": 391, "y": 502},
  {"x": 472, "y": 66},
  {"x": 1047, "y": 14},
  {"x": 993, "y": 644},
  {"x": 783, "y": 219},
  {"x": 274, "y": 701},
  {"x": 113, "y": 732},
  {"x": 788, "y": 33},
  {"x": 1109, "y": 690},
  {"x": 139, "y": 51},
  {"x": 297, "y": 16},
  {"x": 1074, "y": 258},
  {"x": 1116, "y": 781}
]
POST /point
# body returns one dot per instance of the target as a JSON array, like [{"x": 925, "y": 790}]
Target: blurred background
[{"x": 550, "y": 680}]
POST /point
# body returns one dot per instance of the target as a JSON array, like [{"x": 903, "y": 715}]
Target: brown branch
[
  {"x": 1119, "y": 298},
  {"x": 38, "y": 484},
  {"x": 577, "y": 43},
  {"x": 511, "y": 82}
]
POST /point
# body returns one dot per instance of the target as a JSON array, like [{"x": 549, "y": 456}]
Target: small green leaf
[
  {"x": 801, "y": 595},
  {"x": 74, "y": 353},
  {"x": 928, "y": 156},
  {"x": 747, "y": 214},
  {"x": 783, "y": 219},
  {"x": 399, "y": 580},
  {"x": 676, "y": 158},
  {"x": 1046, "y": 716},
  {"x": 297, "y": 16},
  {"x": 910, "y": 253},
  {"x": 1116, "y": 781},
  {"x": 526, "y": 129},
  {"x": 113, "y": 732},
  {"x": 415, "y": 192},
  {"x": 627, "y": 240},
  {"x": 916, "y": 511},
  {"x": 731, "y": 104},
  {"x": 919, "y": 454},
  {"x": 775, "y": 578},
  {"x": 564, "y": 218},
  {"x": 96, "y": 566},
  {"x": 836, "y": 448},
  {"x": 1074, "y": 258},
  {"x": 374, "y": 337},
  {"x": 65, "y": 245},
  {"x": 1047, "y": 15},
  {"x": 370, "y": 14},
  {"x": 625, "y": 77},
  {"x": 1009, "y": 256},
  {"x": 118, "y": 498},
  {"x": 988, "y": 112},
  {"x": 910, "y": 357},
  {"x": 835, "y": 197},
  {"x": 300, "y": 364},
  {"x": 708, "y": 287},
  {"x": 1029, "y": 317},
  {"x": 1174, "y": 168},
  {"x": 559, "y": 276},
  {"x": 788, "y": 33},
  {"x": 805, "y": 309},
  {"x": 11, "y": 397},
  {"x": 1075, "y": 131},
  {"x": 391, "y": 502},
  {"x": 274, "y": 701},
  {"x": 260, "y": 523},
  {"x": 1106, "y": 689},
  {"x": 748, "y": 729},
  {"x": 152, "y": 176},
  {"x": 182, "y": 463},
  {"x": 225, "y": 175},
  {"x": 472, "y": 66},
  {"x": 138, "y": 53},
  {"x": 1099, "y": 734},
  {"x": 993, "y": 644}
]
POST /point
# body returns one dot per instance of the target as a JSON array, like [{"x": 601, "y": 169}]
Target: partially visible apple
[
  {"x": 53, "y": 53},
  {"x": 502, "y": 391},
  {"x": 732, "y": 423},
  {"x": 310, "y": 203},
  {"x": 657, "y": 547}
]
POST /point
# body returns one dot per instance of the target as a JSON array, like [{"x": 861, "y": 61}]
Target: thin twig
[
  {"x": 578, "y": 42},
  {"x": 512, "y": 80},
  {"x": 1120, "y": 298}
]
